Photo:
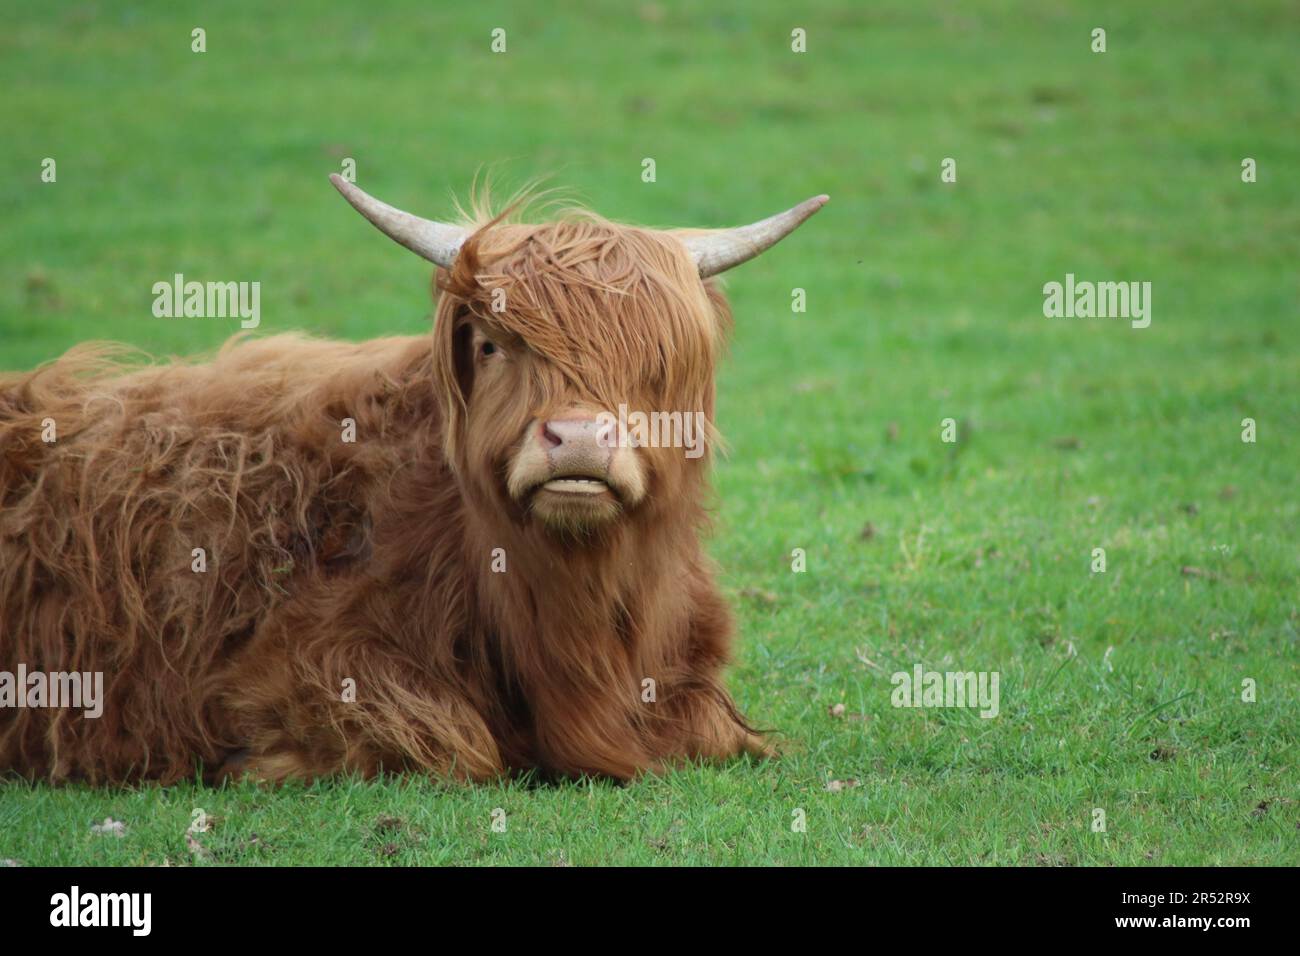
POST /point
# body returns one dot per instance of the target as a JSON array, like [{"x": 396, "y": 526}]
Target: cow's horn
[
  {"x": 719, "y": 249},
  {"x": 435, "y": 241}
]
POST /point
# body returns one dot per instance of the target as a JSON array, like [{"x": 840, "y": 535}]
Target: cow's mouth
[
  {"x": 575, "y": 485},
  {"x": 576, "y": 502}
]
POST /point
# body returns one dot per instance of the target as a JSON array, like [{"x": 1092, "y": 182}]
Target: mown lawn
[{"x": 1120, "y": 691}]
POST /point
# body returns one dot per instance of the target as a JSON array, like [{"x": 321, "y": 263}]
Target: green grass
[{"x": 924, "y": 302}]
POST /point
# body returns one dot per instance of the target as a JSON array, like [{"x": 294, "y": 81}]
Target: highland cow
[{"x": 304, "y": 558}]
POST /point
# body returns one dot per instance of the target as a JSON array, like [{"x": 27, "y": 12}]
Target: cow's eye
[{"x": 487, "y": 348}]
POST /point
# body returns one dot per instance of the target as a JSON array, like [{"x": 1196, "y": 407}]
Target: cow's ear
[
  {"x": 451, "y": 336},
  {"x": 453, "y": 370},
  {"x": 462, "y": 354}
]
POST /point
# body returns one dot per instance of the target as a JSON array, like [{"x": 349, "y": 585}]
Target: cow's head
[{"x": 575, "y": 359}]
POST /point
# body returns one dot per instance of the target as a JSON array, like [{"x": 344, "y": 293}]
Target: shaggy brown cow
[{"x": 477, "y": 584}]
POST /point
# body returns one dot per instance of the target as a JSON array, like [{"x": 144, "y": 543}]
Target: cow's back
[{"x": 151, "y": 519}]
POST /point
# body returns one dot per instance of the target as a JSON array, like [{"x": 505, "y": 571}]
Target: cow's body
[
  {"x": 332, "y": 566},
  {"x": 305, "y": 558}
]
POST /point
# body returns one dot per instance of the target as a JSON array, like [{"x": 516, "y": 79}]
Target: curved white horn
[
  {"x": 719, "y": 249},
  {"x": 435, "y": 241}
]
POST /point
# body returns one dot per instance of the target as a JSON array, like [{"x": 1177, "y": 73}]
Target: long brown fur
[{"x": 331, "y": 562}]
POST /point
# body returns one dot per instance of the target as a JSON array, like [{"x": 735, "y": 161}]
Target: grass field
[{"x": 1120, "y": 691}]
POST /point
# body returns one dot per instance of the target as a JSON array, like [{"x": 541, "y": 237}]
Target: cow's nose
[{"x": 573, "y": 446}]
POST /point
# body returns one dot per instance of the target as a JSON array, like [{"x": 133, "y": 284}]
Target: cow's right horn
[
  {"x": 435, "y": 241},
  {"x": 717, "y": 250}
]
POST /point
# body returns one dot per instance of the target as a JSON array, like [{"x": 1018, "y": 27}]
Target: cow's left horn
[
  {"x": 435, "y": 241},
  {"x": 720, "y": 249}
]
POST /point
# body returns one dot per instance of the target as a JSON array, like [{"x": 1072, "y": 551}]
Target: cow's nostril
[{"x": 550, "y": 437}]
